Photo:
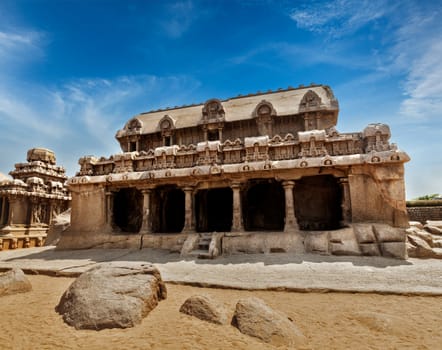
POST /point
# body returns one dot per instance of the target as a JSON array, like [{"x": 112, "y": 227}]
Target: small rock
[
  {"x": 14, "y": 281},
  {"x": 112, "y": 296},
  {"x": 204, "y": 308},
  {"x": 254, "y": 318}
]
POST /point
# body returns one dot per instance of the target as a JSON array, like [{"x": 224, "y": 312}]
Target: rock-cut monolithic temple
[
  {"x": 29, "y": 200},
  {"x": 266, "y": 172}
]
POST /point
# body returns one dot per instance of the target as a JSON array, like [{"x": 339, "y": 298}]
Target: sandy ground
[{"x": 329, "y": 321}]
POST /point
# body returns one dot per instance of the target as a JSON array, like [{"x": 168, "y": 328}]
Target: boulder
[
  {"x": 416, "y": 224},
  {"x": 14, "y": 281},
  {"x": 204, "y": 308},
  {"x": 254, "y": 318},
  {"x": 433, "y": 229},
  {"x": 418, "y": 248},
  {"x": 112, "y": 296},
  {"x": 426, "y": 236},
  {"x": 436, "y": 223},
  {"x": 386, "y": 233}
]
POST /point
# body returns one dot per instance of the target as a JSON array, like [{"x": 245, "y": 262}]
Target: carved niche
[
  {"x": 213, "y": 120},
  {"x": 134, "y": 126},
  {"x": 263, "y": 114},
  {"x": 310, "y": 100},
  {"x": 167, "y": 128}
]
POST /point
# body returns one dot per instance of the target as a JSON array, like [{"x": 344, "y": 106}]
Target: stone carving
[
  {"x": 268, "y": 163},
  {"x": 30, "y": 200}
]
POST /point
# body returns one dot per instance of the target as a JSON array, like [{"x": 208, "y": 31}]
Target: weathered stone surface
[
  {"x": 386, "y": 233},
  {"x": 426, "y": 236},
  {"x": 364, "y": 233},
  {"x": 416, "y": 224},
  {"x": 370, "y": 249},
  {"x": 436, "y": 223},
  {"x": 204, "y": 308},
  {"x": 112, "y": 296},
  {"x": 420, "y": 248},
  {"x": 59, "y": 224},
  {"x": 396, "y": 250},
  {"x": 344, "y": 242},
  {"x": 433, "y": 229},
  {"x": 317, "y": 242},
  {"x": 14, "y": 281},
  {"x": 253, "y": 317}
]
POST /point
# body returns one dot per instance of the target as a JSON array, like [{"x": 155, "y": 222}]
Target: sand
[{"x": 328, "y": 320}]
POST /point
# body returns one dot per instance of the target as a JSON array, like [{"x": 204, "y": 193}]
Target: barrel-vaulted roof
[{"x": 285, "y": 102}]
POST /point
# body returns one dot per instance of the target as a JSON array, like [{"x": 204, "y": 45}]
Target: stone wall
[{"x": 424, "y": 210}]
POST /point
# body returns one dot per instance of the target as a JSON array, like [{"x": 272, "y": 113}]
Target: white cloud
[
  {"x": 20, "y": 46},
  {"x": 181, "y": 15},
  {"x": 82, "y": 116},
  {"x": 339, "y": 17}
]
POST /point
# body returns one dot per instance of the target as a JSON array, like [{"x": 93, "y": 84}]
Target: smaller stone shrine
[{"x": 28, "y": 202}]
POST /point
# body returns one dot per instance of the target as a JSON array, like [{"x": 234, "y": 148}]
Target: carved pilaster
[
  {"x": 237, "y": 221},
  {"x": 146, "y": 226},
  {"x": 291, "y": 223},
  {"x": 109, "y": 210},
  {"x": 189, "y": 222},
  {"x": 345, "y": 201}
]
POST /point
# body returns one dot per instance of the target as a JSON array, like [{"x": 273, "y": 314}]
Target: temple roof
[{"x": 284, "y": 102}]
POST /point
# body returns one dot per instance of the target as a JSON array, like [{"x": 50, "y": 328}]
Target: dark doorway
[
  {"x": 318, "y": 203},
  {"x": 264, "y": 206},
  {"x": 128, "y": 210},
  {"x": 214, "y": 210},
  {"x": 168, "y": 210}
]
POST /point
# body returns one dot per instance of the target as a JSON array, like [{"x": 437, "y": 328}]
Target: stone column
[
  {"x": 345, "y": 201},
  {"x": 146, "y": 226},
  {"x": 109, "y": 210},
  {"x": 290, "y": 220},
  {"x": 189, "y": 222},
  {"x": 2, "y": 213},
  {"x": 237, "y": 222},
  {"x": 11, "y": 211}
]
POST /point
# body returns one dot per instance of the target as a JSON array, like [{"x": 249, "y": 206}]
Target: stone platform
[{"x": 276, "y": 271}]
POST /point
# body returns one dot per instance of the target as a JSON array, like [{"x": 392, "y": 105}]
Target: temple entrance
[
  {"x": 318, "y": 203},
  {"x": 264, "y": 206},
  {"x": 213, "y": 209},
  {"x": 168, "y": 210},
  {"x": 127, "y": 210}
]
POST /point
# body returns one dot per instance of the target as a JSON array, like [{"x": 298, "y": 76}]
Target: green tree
[{"x": 427, "y": 197}]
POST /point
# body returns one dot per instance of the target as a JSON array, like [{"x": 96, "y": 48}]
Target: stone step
[{"x": 201, "y": 254}]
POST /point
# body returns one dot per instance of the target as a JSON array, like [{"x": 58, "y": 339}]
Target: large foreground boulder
[
  {"x": 204, "y": 308},
  {"x": 253, "y": 317},
  {"x": 112, "y": 296},
  {"x": 14, "y": 281}
]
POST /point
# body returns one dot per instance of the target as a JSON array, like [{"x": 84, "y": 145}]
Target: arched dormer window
[
  {"x": 212, "y": 120},
  {"x": 263, "y": 114},
  {"x": 134, "y": 125},
  {"x": 167, "y": 128},
  {"x": 310, "y": 100}
]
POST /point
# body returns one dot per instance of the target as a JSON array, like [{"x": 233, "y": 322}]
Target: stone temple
[
  {"x": 266, "y": 172},
  {"x": 36, "y": 193}
]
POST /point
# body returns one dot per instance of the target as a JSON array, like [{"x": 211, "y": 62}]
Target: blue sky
[{"x": 73, "y": 72}]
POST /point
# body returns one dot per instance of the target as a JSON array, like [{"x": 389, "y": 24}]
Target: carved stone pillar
[
  {"x": 3, "y": 211},
  {"x": 237, "y": 222},
  {"x": 12, "y": 201},
  {"x": 291, "y": 223},
  {"x": 189, "y": 222},
  {"x": 345, "y": 201},
  {"x": 146, "y": 226},
  {"x": 109, "y": 210}
]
